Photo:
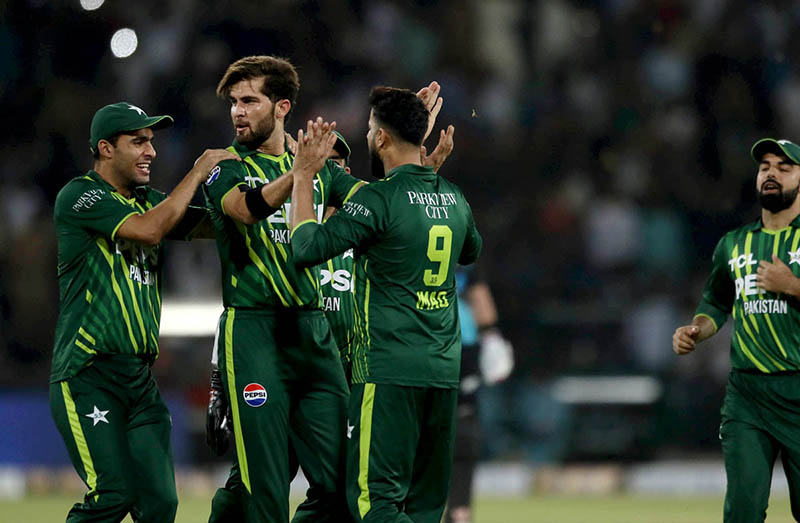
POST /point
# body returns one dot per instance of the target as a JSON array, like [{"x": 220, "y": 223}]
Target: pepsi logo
[{"x": 254, "y": 394}]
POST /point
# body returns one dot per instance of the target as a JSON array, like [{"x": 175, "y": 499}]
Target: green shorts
[
  {"x": 399, "y": 452},
  {"x": 117, "y": 430},
  {"x": 760, "y": 419},
  {"x": 282, "y": 373}
]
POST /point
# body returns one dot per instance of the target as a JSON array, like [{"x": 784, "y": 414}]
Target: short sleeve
[
  {"x": 87, "y": 205},
  {"x": 222, "y": 179},
  {"x": 362, "y": 218},
  {"x": 720, "y": 291}
]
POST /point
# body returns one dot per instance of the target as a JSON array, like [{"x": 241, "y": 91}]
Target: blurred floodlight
[
  {"x": 124, "y": 42},
  {"x": 91, "y": 5}
]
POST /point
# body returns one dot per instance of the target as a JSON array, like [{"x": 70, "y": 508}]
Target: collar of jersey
[
  {"x": 243, "y": 151},
  {"x": 410, "y": 168},
  {"x": 758, "y": 224},
  {"x": 139, "y": 193}
]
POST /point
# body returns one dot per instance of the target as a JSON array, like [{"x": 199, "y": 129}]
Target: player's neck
[
  {"x": 118, "y": 182},
  {"x": 396, "y": 157},
  {"x": 779, "y": 220},
  {"x": 275, "y": 145}
]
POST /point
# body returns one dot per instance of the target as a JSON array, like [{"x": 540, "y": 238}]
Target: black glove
[{"x": 218, "y": 416}]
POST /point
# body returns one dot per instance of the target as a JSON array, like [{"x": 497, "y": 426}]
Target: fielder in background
[{"x": 754, "y": 278}]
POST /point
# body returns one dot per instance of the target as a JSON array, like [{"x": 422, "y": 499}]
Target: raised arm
[{"x": 152, "y": 226}]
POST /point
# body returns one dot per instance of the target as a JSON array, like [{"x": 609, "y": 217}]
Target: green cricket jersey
[
  {"x": 336, "y": 281},
  {"x": 409, "y": 231},
  {"x": 766, "y": 333},
  {"x": 110, "y": 289},
  {"x": 257, "y": 267}
]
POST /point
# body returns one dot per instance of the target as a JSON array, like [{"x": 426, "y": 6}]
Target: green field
[{"x": 535, "y": 509}]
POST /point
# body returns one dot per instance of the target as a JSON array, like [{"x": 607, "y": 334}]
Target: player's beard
[
  {"x": 375, "y": 163},
  {"x": 778, "y": 201},
  {"x": 260, "y": 132}
]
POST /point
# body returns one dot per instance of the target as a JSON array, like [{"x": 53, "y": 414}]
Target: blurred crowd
[{"x": 603, "y": 145}]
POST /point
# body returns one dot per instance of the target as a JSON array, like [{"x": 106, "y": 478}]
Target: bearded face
[
  {"x": 774, "y": 197},
  {"x": 375, "y": 162}
]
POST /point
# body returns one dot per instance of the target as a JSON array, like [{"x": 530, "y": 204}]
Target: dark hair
[
  {"x": 113, "y": 139},
  {"x": 401, "y": 111},
  {"x": 280, "y": 77}
]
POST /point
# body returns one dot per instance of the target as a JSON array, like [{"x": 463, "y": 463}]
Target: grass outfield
[{"x": 535, "y": 509}]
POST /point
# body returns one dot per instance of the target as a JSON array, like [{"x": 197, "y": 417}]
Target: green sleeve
[
  {"x": 360, "y": 219},
  {"x": 342, "y": 185},
  {"x": 720, "y": 291},
  {"x": 87, "y": 205},
  {"x": 220, "y": 182},
  {"x": 472, "y": 241}
]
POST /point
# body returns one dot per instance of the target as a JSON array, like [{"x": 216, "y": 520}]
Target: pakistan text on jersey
[
  {"x": 435, "y": 203},
  {"x": 331, "y": 303},
  {"x": 144, "y": 277},
  {"x": 766, "y": 307}
]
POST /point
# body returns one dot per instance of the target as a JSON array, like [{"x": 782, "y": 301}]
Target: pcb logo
[
  {"x": 213, "y": 175},
  {"x": 254, "y": 394}
]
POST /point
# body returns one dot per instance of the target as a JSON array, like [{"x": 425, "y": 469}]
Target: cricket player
[
  {"x": 337, "y": 296},
  {"x": 106, "y": 405},
  {"x": 408, "y": 231},
  {"x": 278, "y": 360},
  {"x": 754, "y": 278}
]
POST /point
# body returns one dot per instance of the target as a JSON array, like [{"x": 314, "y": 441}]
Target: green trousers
[
  {"x": 399, "y": 452},
  {"x": 760, "y": 419},
  {"x": 117, "y": 430},
  {"x": 283, "y": 377}
]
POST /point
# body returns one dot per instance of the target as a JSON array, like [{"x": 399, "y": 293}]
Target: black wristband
[{"x": 256, "y": 204}]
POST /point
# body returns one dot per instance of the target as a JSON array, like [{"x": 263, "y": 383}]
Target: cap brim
[
  {"x": 770, "y": 145},
  {"x": 152, "y": 122},
  {"x": 341, "y": 145}
]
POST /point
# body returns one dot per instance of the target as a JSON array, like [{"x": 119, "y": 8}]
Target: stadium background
[{"x": 604, "y": 147}]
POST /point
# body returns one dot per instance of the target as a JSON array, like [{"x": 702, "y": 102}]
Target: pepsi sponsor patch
[
  {"x": 254, "y": 394},
  {"x": 213, "y": 175}
]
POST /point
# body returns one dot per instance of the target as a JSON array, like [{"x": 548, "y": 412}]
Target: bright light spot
[
  {"x": 124, "y": 42},
  {"x": 91, "y": 5}
]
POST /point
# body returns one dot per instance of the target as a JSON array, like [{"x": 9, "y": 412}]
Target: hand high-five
[
  {"x": 313, "y": 147},
  {"x": 442, "y": 150},
  {"x": 433, "y": 103}
]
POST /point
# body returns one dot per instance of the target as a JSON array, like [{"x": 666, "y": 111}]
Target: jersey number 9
[{"x": 440, "y": 240}]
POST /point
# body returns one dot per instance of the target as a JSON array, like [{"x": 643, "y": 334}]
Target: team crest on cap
[
  {"x": 213, "y": 175},
  {"x": 254, "y": 394}
]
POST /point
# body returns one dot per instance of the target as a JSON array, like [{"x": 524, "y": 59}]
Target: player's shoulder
[{"x": 79, "y": 189}]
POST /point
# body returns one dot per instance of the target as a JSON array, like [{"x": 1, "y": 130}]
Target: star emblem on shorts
[
  {"x": 350, "y": 429},
  {"x": 347, "y": 253},
  {"x": 98, "y": 416},
  {"x": 795, "y": 257}
]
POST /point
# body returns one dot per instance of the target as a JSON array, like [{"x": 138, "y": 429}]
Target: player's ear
[
  {"x": 105, "y": 149},
  {"x": 282, "y": 108},
  {"x": 347, "y": 170},
  {"x": 383, "y": 138}
]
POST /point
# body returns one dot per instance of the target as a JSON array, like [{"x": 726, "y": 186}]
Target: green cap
[
  {"x": 121, "y": 117},
  {"x": 770, "y": 145},
  {"x": 341, "y": 147}
]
